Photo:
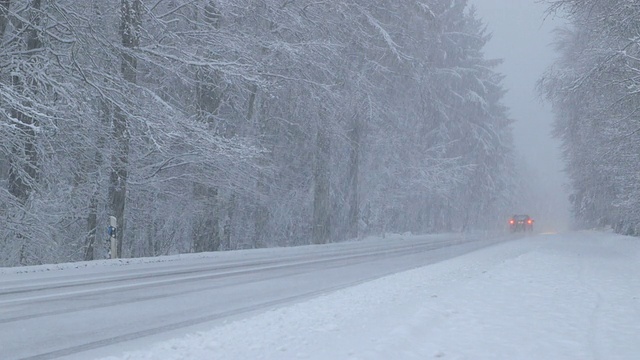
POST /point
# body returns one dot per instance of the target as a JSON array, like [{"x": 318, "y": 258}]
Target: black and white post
[{"x": 113, "y": 239}]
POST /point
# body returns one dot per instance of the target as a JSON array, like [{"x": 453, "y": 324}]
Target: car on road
[{"x": 520, "y": 223}]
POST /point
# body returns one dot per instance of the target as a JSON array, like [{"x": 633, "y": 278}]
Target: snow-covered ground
[{"x": 551, "y": 296}]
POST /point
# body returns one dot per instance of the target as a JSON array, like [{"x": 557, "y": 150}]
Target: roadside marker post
[{"x": 113, "y": 239}]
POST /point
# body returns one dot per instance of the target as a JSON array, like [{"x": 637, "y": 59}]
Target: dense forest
[
  {"x": 594, "y": 87},
  {"x": 206, "y": 125}
]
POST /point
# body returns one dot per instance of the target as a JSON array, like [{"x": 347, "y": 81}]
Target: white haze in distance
[{"x": 522, "y": 37}]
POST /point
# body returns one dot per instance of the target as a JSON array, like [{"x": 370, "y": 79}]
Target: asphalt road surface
[{"x": 80, "y": 314}]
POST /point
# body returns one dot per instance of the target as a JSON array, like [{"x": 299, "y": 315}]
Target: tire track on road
[{"x": 293, "y": 267}]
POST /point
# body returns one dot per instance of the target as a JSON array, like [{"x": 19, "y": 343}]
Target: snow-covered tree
[
  {"x": 213, "y": 125},
  {"x": 594, "y": 90}
]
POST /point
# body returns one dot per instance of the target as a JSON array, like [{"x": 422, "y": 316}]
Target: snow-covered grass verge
[{"x": 573, "y": 296}]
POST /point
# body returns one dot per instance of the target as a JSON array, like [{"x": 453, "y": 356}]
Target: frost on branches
[
  {"x": 594, "y": 88},
  {"x": 213, "y": 125}
]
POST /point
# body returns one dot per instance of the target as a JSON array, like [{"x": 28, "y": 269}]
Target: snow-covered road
[
  {"x": 553, "y": 296},
  {"x": 92, "y": 309}
]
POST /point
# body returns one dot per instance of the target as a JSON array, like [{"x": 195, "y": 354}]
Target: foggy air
[{"x": 175, "y": 166}]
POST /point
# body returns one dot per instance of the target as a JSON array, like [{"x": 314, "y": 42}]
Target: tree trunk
[
  {"x": 321, "y": 200},
  {"x": 92, "y": 216},
  {"x": 253, "y": 90},
  {"x": 206, "y": 233},
  {"x": 208, "y": 101},
  {"x": 261, "y": 231},
  {"x": 130, "y": 23},
  {"x": 207, "y": 237},
  {"x": 92, "y": 220},
  {"x": 23, "y": 165},
  {"x": 4, "y": 17},
  {"x": 23, "y": 169},
  {"x": 226, "y": 237},
  {"x": 354, "y": 167}
]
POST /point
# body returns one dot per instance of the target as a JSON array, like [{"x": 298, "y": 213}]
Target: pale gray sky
[{"x": 522, "y": 37}]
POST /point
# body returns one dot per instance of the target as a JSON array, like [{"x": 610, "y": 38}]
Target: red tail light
[
  {"x": 511, "y": 221},
  {"x": 529, "y": 221}
]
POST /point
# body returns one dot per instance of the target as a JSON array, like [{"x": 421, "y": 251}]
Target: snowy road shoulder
[{"x": 557, "y": 296}]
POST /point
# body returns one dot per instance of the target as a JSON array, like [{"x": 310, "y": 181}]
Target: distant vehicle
[{"x": 520, "y": 223}]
